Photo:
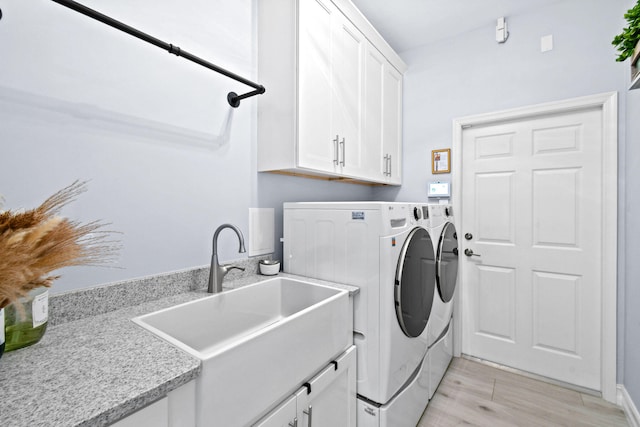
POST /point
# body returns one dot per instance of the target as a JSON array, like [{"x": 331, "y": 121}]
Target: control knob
[{"x": 417, "y": 213}]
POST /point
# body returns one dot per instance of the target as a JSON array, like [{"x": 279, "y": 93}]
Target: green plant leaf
[{"x": 626, "y": 41}]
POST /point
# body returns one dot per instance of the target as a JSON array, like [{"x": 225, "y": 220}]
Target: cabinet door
[
  {"x": 316, "y": 147},
  {"x": 332, "y": 400},
  {"x": 392, "y": 123},
  {"x": 382, "y": 118},
  {"x": 283, "y": 416},
  {"x": 373, "y": 110},
  {"x": 154, "y": 415},
  {"x": 347, "y": 95}
]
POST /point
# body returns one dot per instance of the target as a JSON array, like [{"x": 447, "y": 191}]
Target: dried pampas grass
[{"x": 36, "y": 242}]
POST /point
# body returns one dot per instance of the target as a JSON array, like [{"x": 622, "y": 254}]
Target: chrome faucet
[{"x": 217, "y": 272}]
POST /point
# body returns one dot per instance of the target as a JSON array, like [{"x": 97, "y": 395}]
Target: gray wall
[
  {"x": 167, "y": 158},
  {"x": 472, "y": 74}
]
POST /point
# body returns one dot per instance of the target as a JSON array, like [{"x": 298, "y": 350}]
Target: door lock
[
  {"x": 469, "y": 252},
  {"x": 468, "y": 236}
]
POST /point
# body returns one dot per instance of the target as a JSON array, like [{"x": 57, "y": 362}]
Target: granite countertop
[{"x": 99, "y": 369}]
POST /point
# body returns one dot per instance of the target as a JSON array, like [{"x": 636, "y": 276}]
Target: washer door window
[
  {"x": 415, "y": 282},
  {"x": 447, "y": 262}
]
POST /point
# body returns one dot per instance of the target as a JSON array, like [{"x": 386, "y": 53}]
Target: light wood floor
[{"x": 475, "y": 394}]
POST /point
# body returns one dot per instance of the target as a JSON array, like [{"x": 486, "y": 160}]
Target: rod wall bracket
[{"x": 234, "y": 99}]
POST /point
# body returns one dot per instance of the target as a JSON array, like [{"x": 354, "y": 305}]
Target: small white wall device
[
  {"x": 439, "y": 190},
  {"x": 502, "y": 34}
]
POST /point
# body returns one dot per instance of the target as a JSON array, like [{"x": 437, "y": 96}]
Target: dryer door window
[
  {"x": 415, "y": 282},
  {"x": 447, "y": 262}
]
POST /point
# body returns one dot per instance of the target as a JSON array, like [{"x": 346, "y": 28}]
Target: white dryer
[
  {"x": 386, "y": 250},
  {"x": 445, "y": 238}
]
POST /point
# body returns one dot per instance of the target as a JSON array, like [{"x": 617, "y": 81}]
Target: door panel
[
  {"x": 494, "y": 207},
  {"x": 283, "y": 416},
  {"x": 332, "y": 400},
  {"x": 556, "y": 293},
  {"x": 496, "y": 288},
  {"x": 556, "y": 207},
  {"x": 392, "y": 122},
  {"x": 494, "y": 146},
  {"x": 382, "y": 117},
  {"x": 315, "y": 137},
  {"x": 554, "y": 140},
  {"x": 532, "y": 196},
  {"x": 348, "y": 62},
  {"x": 373, "y": 112}
]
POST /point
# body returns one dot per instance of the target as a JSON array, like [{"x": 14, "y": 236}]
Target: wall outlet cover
[
  {"x": 546, "y": 43},
  {"x": 261, "y": 231}
]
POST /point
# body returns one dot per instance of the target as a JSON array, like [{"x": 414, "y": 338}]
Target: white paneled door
[{"x": 532, "y": 239}]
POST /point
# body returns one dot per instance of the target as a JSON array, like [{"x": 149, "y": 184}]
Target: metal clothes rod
[{"x": 233, "y": 98}]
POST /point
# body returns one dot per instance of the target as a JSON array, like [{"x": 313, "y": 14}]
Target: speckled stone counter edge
[{"x": 75, "y": 305}]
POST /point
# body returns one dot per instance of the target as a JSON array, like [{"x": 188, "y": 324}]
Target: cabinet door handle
[
  {"x": 343, "y": 143},
  {"x": 387, "y": 165},
  {"x": 294, "y": 423},
  {"x": 309, "y": 413},
  {"x": 335, "y": 151}
]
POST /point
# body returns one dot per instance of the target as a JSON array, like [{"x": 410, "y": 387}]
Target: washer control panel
[{"x": 419, "y": 214}]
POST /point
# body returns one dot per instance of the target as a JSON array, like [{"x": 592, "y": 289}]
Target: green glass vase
[{"x": 27, "y": 326}]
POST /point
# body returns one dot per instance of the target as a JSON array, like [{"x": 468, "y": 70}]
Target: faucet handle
[{"x": 227, "y": 268}]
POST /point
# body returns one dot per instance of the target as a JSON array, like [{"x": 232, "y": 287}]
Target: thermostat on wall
[{"x": 439, "y": 189}]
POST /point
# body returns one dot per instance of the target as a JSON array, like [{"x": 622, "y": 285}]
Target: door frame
[{"x": 608, "y": 103}]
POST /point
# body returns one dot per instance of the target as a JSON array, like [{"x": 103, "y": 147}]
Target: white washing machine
[
  {"x": 386, "y": 250},
  {"x": 445, "y": 239}
]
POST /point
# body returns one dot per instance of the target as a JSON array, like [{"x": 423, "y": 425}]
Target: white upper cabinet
[
  {"x": 324, "y": 111},
  {"x": 382, "y": 118},
  {"x": 315, "y": 82},
  {"x": 330, "y": 90},
  {"x": 348, "y": 69},
  {"x": 392, "y": 125}
]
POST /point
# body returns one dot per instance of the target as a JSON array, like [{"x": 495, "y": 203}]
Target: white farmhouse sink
[{"x": 257, "y": 344}]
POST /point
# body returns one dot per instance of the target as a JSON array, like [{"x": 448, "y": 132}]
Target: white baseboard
[{"x": 630, "y": 410}]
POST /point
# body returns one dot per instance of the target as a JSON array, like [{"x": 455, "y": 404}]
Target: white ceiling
[{"x": 406, "y": 24}]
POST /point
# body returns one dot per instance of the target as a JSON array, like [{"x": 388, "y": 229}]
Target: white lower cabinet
[
  {"x": 285, "y": 415},
  {"x": 153, "y": 415},
  {"x": 177, "y": 409},
  {"x": 326, "y": 400}
]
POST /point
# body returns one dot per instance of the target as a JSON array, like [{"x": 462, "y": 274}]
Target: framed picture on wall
[{"x": 441, "y": 161}]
